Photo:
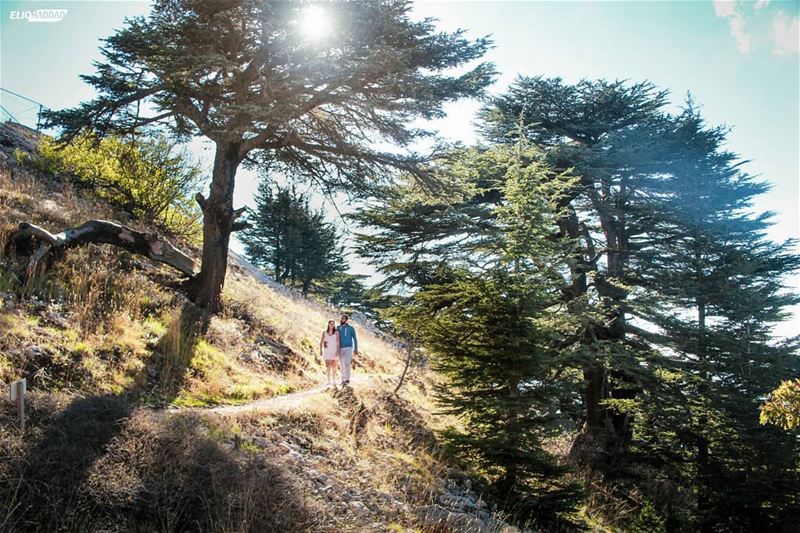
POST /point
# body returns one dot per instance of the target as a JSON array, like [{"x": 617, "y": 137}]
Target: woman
[{"x": 329, "y": 348}]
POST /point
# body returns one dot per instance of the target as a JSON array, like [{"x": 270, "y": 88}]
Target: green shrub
[
  {"x": 148, "y": 177},
  {"x": 647, "y": 520}
]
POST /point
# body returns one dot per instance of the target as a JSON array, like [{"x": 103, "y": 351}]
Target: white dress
[{"x": 329, "y": 352}]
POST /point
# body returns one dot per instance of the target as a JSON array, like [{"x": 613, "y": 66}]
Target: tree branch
[{"x": 149, "y": 245}]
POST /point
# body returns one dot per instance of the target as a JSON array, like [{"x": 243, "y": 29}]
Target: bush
[
  {"x": 147, "y": 177},
  {"x": 782, "y": 409},
  {"x": 647, "y": 520}
]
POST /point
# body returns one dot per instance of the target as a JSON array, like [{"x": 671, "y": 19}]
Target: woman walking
[{"x": 329, "y": 348}]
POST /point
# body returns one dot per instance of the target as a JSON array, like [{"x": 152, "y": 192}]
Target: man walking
[{"x": 348, "y": 345}]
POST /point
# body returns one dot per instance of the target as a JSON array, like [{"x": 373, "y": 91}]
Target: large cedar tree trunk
[
  {"x": 218, "y": 220},
  {"x": 591, "y": 443}
]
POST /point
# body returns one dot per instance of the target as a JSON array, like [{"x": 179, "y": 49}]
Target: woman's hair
[{"x": 328, "y": 327}]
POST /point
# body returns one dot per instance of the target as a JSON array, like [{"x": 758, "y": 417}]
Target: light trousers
[{"x": 345, "y": 360}]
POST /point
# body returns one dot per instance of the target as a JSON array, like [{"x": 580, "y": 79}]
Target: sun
[{"x": 315, "y": 22}]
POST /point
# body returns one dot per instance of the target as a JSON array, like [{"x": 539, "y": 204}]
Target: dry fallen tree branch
[{"x": 150, "y": 245}]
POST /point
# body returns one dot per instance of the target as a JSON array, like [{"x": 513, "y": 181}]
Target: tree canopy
[{"x": 243, "y": 74}]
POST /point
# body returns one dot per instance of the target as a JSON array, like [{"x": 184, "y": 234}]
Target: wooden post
[{"x": 17, "y": 394}]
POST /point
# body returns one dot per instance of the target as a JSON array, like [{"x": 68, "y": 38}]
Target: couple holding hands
[{"x": 338, "y": 343}]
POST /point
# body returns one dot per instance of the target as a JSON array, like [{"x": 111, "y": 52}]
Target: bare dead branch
[{"x": 150, "y": 245}]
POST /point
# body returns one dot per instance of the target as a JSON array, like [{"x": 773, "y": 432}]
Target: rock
[
  {"x": 7, "y": 300},
  {"x": 457, "y": 502},
  {"x": 498, "y": 526},
  {"x": 14, "y": 135},
  {"x": 290, "y": 447},
  {"x": 318, "y": 477},
  {"x": 436, "y": 516},
  {"x": 253, "y": 357},
  {"x": 397, "y": 504},
  {"x": 261, "y": 442},
  {"x": 383, "y": 497},
  {"x": 36, "y": 305},
  {"x": 296, "y": 457},
  {"x": 358, "y": 507},
  {"x": 56, "y": 319},
  {"x": 37, "y": 353},
  {"x": 51, "y": 210}
]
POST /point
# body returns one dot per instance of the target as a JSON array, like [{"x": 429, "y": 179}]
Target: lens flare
[{"x": 315, "y": 23}]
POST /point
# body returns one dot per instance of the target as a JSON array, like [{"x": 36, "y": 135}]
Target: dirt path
[{"x": 284, "y": 401}]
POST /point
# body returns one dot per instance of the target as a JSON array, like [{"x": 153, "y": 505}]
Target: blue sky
[{"x": 739, "y": 60}]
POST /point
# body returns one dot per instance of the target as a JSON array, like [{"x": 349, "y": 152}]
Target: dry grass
[
  {"x": 298, "y": 323},
  {"x": 95, "y": 463},
  {"x": 90, "y": 464},
  {"x": 371, "y": 446},
  {"x": 120, "y": 328}
]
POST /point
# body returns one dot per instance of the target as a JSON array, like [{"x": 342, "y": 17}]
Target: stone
[
  {"x": 261, "y": 442},
  {"x": 296, "y": 457},
  {"x": 254, "y": 356},
  {"x": 458, "y": 502},
  {"x": 436, "y": 516},
  {"x": 383, "y": 497},
  {"x": 358, "y": 507},
  {"x": 290, "y": 447},
  {"x": 37, "y": 353},
  {"x": 397, "y": 504},
  {"x": 56, "y": 319},
  {"x": 499, "y": 526},
  {"x": 317, "y": 476}
]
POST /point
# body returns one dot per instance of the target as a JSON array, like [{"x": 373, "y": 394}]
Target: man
[{"x": 348, "y": 345}]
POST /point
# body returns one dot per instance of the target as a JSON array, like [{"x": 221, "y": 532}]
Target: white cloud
[
  {"x": 749, "y": 25},
  {"x": 740, "y": 33},
  {"x": 730, "y": 10},
  {"x": 724, "y": 8},
  {"x": 785, "y": 34}
]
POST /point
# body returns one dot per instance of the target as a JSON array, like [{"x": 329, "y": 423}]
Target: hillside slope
[{"x": 107, "y": 341}]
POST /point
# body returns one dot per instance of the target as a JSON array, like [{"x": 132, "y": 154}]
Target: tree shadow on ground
[
  {"x": 97, "y": 462},
  {"x": 356, "y": 411}
]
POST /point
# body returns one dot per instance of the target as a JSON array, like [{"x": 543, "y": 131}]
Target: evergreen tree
[
  {"x": 606, "y": 133},
  {"x": 669, "y": 280},
  {"x": 713, "y": 290},
  {"x": 346, "y": 290},
  {"x": 491, "y": 320},
  {"x": 243, "y": 74},
  {"x": 296, "y": 242}
]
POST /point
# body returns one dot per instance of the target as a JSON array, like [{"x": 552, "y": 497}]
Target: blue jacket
[{"x": 347, "y": 337}]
